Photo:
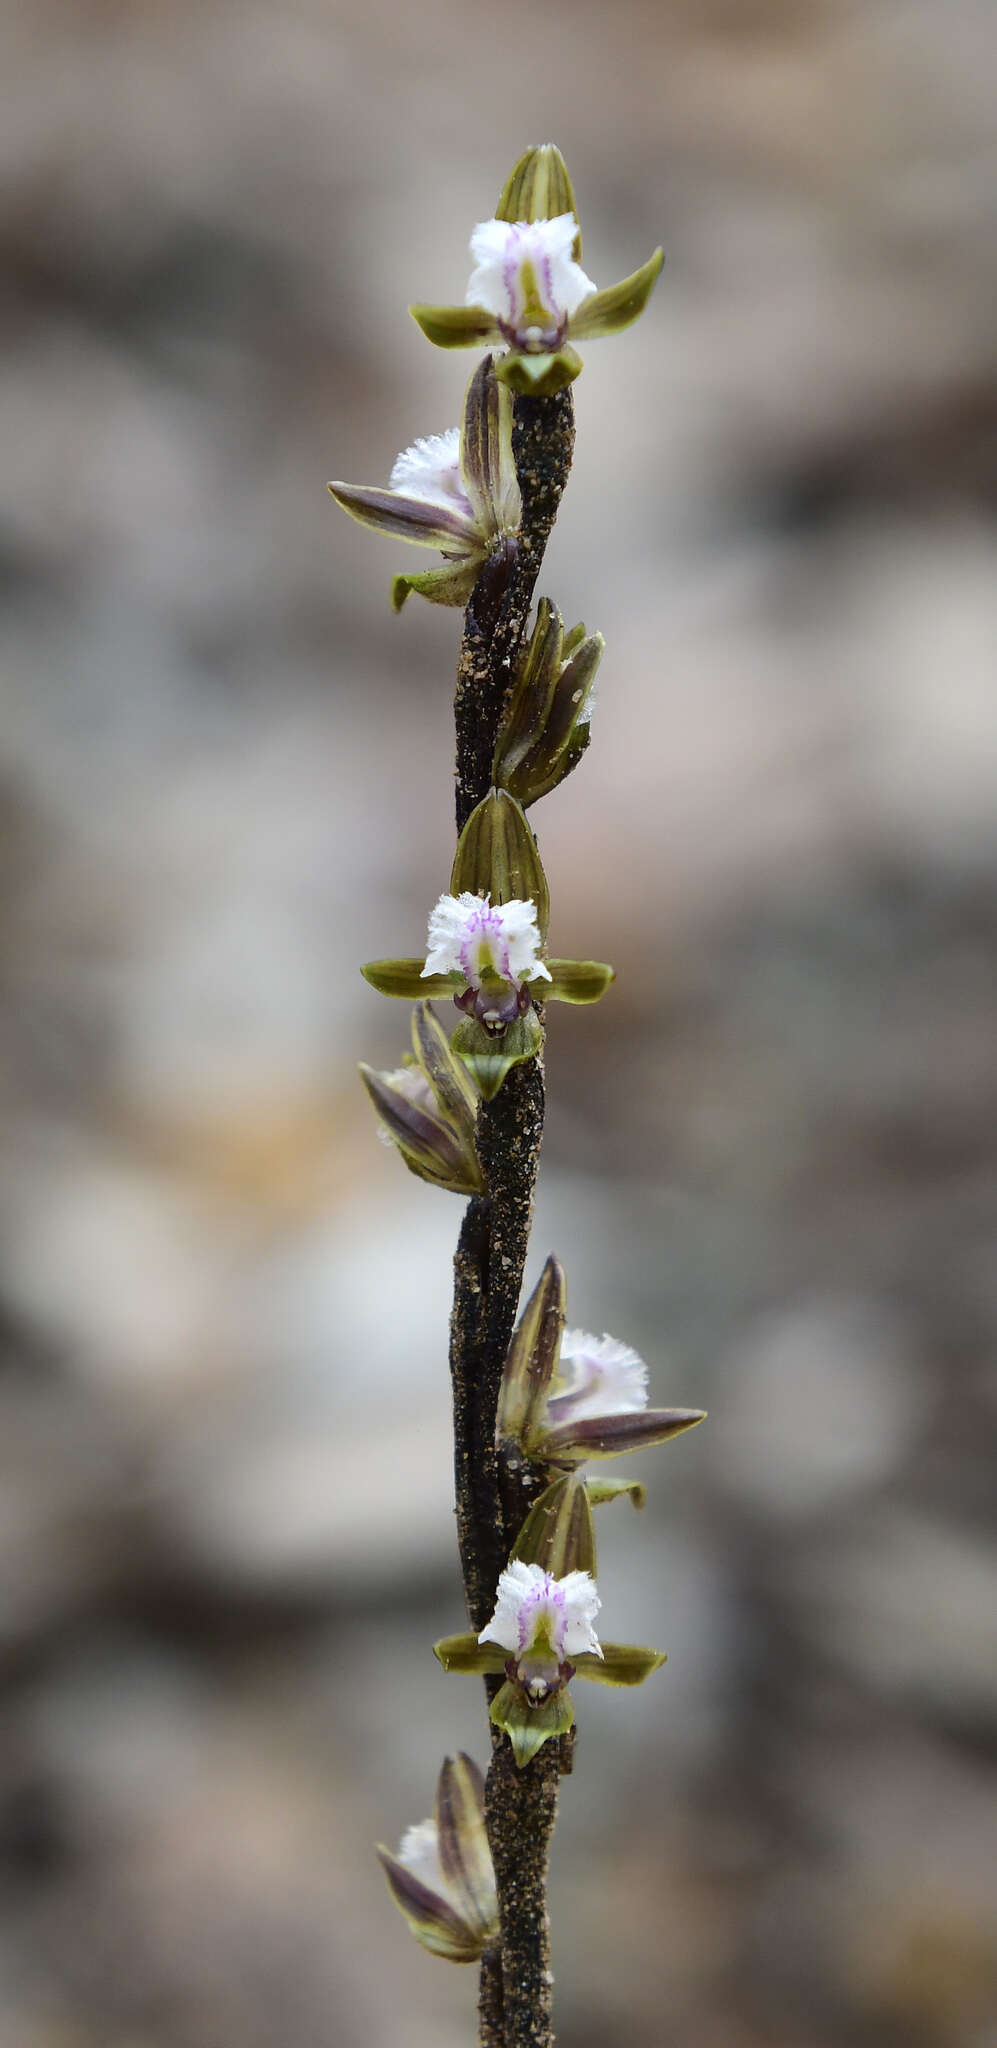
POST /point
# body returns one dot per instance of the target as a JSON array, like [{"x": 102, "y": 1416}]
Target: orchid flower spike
[{"x": 456, "y": 491}]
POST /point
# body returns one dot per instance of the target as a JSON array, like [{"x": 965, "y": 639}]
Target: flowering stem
[
  {"x": 515, "y": 2005},
  {"x": 543, "y": 439}
]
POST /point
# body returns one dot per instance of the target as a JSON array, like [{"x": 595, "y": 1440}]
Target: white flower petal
[
  {"x": 518, "y": 920},
  {"x": 500, "y": 248},
  {"x": 449, "y": 923},
  {"x": 412, "y": 1083},
  {"x": 430, "y": 471},
  {"x": 419, "y": 1850},
  {"x": 596, "y": 1376},
  {"x": 515, "y": 1586},
  {"x": 581, "y": 1605},
  {"x": 466, "y": 930},
  {"x": 530, "y": 1601}
]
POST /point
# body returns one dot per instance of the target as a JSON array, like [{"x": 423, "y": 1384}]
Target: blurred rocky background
[{"x": 771, "y": 1161}]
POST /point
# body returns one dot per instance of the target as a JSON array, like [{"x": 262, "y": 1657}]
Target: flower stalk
[{"x": 532, "y": 1404}]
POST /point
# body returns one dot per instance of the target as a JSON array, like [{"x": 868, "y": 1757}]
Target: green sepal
[
  {"x": 559, "y": 1532},
  {"x": 489, "y": 1056},
  {"x": 532, "y": 1358},
  {"x": 431, "y": 1918},
  {"x": 606, "y": 312},
  {"x": 540, "y": 376},
  {"x": 429, "y": 1148},
  {"x": 456, "y": 326},
  {"x": 539, "y": 188},
  {"x": 462, "y": 1843},
  {"x": 451, "y": 586},
  {"x": 528, "y": 1728},
  {"x": 497, "y": 857},
  {"x": 409, "y": 519},
  {"x": 576, "y": 981},
  {"x": 487, "y": 467},
  {"x": 610, "y": 1436},
  {"x": 405, "y": 978},
  {"x": 464, "y": 1654},
  {"x": 447, "y": 1076},
  {"x": 600, "y": 1490},
  {"x": 620, "y": 1664}
]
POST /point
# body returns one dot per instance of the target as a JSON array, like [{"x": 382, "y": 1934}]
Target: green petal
[
  {"x": 490, "y": 1056},
  {"x": 607, "y": 311},
  {"x": 405, "y": 978},
  {"x": 438, "y": 586},
  {"x": 429, "y": 526},
  {"x": 539, "y": 376},
  {"x": 600, "y": 1490},
  {"x": 528, "y": 1728},
  {"x": 465, "y": 1654},
  {"x": 456, "y": 326},
  {"x": 620, "y": 1664},
  {"x": 577, "y": 981}
]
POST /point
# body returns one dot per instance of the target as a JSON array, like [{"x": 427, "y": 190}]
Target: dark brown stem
[
  {"x": 543, "y": 439},
  {"x": 491, "y": 2021},
  {"x": 488, "y": 1276},
  {"x": 515, "y": 2002},
  {"x": 520, "y": 1811}
]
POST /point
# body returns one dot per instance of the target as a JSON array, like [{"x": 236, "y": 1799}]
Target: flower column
[{"x": 486, "y": 496}]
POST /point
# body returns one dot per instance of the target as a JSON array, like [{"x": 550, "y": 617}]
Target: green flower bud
[{"x": 546, "y": 726}]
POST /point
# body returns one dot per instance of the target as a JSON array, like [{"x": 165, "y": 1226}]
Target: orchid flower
[
  {"x": 428, "y": 1109},
  {"x": 486, "y": 945},
  {"x": 442, "y": 1877},
  {"x": 540, "y": 1636},
  {"x": 567, "y": 1395},
  {"x": 529, "y": 291},
  {"x": 456, "y": 491}
]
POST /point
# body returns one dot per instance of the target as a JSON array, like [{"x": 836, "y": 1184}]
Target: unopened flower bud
[{"x": 546, "y": 727}]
